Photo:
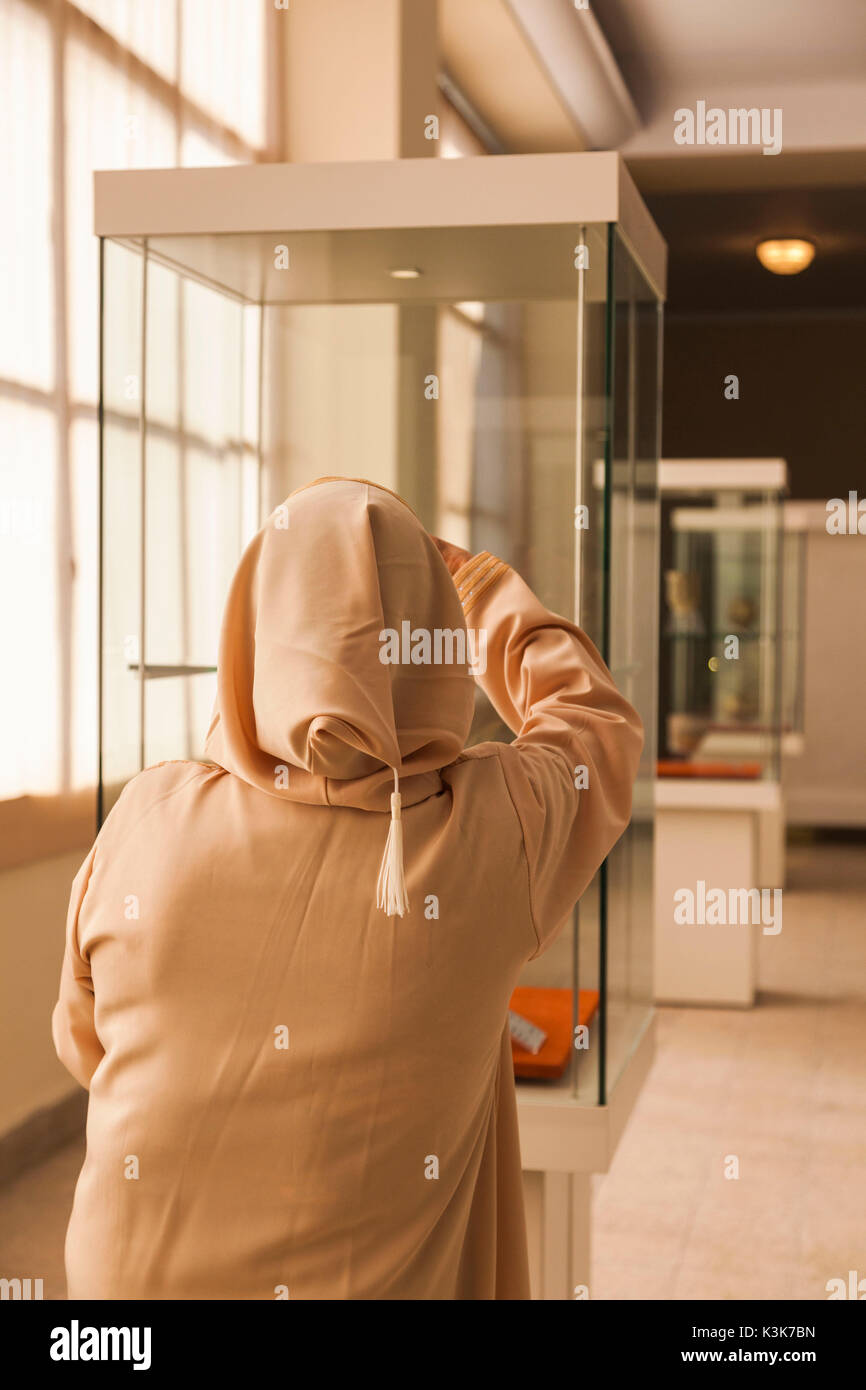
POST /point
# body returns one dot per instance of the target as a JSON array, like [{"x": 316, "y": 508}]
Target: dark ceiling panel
[{"x": 712, "y": 238}]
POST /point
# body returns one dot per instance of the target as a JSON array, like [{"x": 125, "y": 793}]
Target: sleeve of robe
[
  {"x": 549, "y": 684},
  {"x": 72, "y": 1026}
]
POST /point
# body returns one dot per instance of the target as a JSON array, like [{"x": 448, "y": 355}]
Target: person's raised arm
[{"x": 572, "y": 766}]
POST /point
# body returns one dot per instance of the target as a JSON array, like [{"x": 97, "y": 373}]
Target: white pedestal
[
  {"x": 562, "y": 1144},
  {"x": 771, "y": 845},
  {"x": 730, "y": 835}
]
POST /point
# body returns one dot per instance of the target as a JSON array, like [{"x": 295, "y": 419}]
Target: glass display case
[
  {"x": 730, "y": 619},
  {"x": 481, "y": 336}
]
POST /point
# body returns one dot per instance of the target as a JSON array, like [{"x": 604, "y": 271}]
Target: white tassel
[{"x": 391, "y": 894}]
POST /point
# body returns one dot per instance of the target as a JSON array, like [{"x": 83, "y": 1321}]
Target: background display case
[
  {"x": 729, "y": 620},
  {"x": 481, "y": 336},
  {"x": 730, "y": 699}
]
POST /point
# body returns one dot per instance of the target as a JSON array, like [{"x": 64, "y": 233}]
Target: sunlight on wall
[{"x": 163, "y": 83}]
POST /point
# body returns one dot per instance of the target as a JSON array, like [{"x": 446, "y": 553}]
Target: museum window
[{"x": 89, "y": 85}]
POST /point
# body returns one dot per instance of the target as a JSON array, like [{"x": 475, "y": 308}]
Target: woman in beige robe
[{"x": 294, "y": 1092}]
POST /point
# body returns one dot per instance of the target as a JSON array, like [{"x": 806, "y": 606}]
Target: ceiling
[
  {"x": 807, "y": 57},
  {"x": 714, "y": 205},
  {"x": 486, "y": 53},
  {"x": 757, "y": 39},
  {"x": 711, "y": 236}
]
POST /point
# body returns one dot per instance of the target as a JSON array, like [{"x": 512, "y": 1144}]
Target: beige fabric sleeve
[
  {"x": 72, "y": 1026},
  {"x": 549, "y": 684}
]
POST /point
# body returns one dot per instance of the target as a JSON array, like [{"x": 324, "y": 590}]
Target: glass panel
[
  {"x": 630, "y": 648},
  {"x": 121, "y": 520},
  {"x": 178, "y": 714},
  {"x": 195, "y": 518},
  {"x": 468, "y": 406},
  {"x": 793, "y": 600},
  {"x": 83, "y": 612},
  {"x": 590, "y": 599},
  {"x": 196, "y": 465}
]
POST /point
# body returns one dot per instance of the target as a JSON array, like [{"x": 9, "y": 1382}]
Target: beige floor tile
[
  {"x": 734, "y": 1279},
  {"x": 34, "y": 1212},
  {"x": 783, "y": 1087},
  {"x": 655, "y": 1279},
  {"x": 811, "y": 1280}
]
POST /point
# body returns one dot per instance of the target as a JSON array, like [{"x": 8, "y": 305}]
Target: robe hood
[{"x": 306, "y": 708}]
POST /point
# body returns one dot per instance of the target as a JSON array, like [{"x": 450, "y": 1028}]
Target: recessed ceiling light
[
  {"x": 406, "y": 272},
  {"x": 786, "y": 257}
]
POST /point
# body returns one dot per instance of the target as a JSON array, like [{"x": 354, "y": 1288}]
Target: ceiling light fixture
[
  {"x": 785, "y": 257},
  {"x": 407, "y": 272}
]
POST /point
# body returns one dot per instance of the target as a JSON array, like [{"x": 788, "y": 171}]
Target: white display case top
[
  {"x": 712, "y": 475},
  {"x": 493, "y": 190}
]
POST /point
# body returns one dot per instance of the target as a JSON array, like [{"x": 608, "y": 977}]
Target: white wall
[{"x": 826, "y": 785}]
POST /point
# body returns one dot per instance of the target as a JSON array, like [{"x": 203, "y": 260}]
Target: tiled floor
[
  {"x": 33, "y": 1216},
  {"x": 780, "y": 1088}
]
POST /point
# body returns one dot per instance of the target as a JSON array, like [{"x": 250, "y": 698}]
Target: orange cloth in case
[{"x": 552, "y": 1011}]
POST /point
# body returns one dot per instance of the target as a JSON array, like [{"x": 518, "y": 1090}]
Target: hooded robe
[{"x": 291, "y": 1093}]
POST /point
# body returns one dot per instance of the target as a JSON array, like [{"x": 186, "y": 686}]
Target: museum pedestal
[{"x": 727, "y": 835}]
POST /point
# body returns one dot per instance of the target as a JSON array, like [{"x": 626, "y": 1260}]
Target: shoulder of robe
[{"x": 158, "y": 781}]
